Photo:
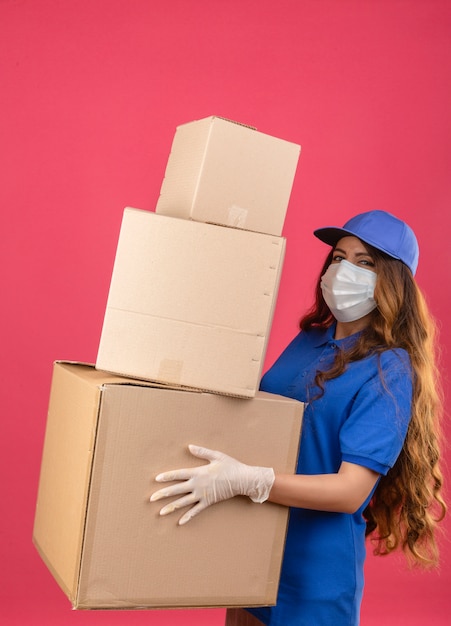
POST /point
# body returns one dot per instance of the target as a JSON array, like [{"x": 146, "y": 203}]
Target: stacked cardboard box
[
  {"x": 190, "y": 303},
  {"x": 230, "y": 174},
  {"x": 180, "y": 356}
]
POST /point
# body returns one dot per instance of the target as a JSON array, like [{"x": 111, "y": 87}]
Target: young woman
[{"x": 364, "y": 365}]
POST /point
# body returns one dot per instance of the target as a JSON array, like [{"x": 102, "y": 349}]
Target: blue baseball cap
[{"x": 381, "y": 230}]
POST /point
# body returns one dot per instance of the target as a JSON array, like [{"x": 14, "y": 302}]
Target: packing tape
[{"x": 236, "y": 216}]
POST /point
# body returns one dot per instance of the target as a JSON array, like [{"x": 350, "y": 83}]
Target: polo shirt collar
[{"x": 327, "y": 336}]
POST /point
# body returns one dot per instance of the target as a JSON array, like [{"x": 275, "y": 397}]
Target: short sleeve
[{"x": 374, "y": 432}]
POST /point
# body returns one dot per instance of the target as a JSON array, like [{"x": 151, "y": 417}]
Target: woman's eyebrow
[
  {"x": 357, "y": 253},
  {"x": 363, "y": 254}
]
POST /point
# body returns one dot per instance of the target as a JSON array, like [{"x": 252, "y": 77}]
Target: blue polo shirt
[{"x": 361, "y": 418}]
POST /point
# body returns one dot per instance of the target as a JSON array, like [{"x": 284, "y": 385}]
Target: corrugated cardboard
[
  {"x": 105, "y": 542},
  {"x": 226, "y": 173},
  {"x": 190, "y": 304}
]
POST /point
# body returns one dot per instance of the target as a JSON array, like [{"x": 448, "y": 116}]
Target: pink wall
[{"x": 91, "y": 95}]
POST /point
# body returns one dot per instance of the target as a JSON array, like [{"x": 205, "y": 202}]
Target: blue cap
[{"x": 381, "y": 230}]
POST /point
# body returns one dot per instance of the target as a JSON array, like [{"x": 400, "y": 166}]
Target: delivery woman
[{"x": 363, "y": 362}]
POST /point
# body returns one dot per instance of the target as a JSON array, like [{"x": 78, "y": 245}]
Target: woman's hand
[{"x": 222, "y": 478}]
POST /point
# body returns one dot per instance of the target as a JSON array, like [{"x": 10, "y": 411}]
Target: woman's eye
[
  {"x": 337, "y": 258},
  {"x": 367, "y": 262}
]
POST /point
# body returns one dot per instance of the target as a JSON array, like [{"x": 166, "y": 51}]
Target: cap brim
[{"x": 332, "y": 234}]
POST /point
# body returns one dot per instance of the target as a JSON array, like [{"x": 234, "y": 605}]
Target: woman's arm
[
  {"x": 344, "y": 492},
  {"x": 224, "y": 477}
]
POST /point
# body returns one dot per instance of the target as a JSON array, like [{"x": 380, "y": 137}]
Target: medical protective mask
[{"x": 348, "y": 291}]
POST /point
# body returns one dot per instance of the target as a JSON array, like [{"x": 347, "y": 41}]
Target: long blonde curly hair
[{"x": 407, "y": 504}]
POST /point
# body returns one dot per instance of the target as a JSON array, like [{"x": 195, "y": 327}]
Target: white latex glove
[{"x": 222, "y": 478}]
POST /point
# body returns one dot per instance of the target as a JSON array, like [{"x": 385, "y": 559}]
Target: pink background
[{"x": 91, "y": 95}]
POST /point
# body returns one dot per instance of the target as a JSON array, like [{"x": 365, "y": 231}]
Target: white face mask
[{"x": 348, "y": 291}]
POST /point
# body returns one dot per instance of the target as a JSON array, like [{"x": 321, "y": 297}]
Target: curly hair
[{"x": 407, "y": 504}]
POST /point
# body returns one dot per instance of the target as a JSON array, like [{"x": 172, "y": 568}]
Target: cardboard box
[
  {"x": 190, "y": 304},
  {"x": 227, "y": 173},
  {"x": 105, "y": 542}
]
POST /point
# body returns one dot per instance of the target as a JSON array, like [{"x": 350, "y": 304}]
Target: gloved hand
[{"x": 222, "y": 478}]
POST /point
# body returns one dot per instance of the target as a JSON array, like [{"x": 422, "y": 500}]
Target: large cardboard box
[
  {"x": 222, "y": 172},
  {"x": 190, "y": 304},
  {"x": 105, "y": 542}
]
